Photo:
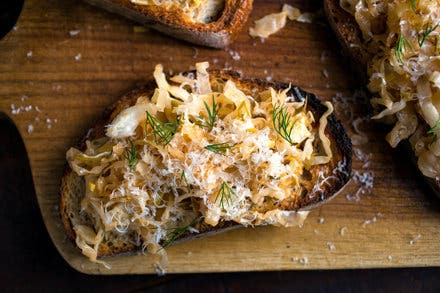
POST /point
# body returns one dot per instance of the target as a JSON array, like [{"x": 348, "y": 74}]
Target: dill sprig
[
  {"x": 413, "y": 5},
  {"x": 176, "y": 232},
  {"x": 183, "y": 177},
  {"x": 283, "y": 122},
  {"x": 219, "y": 148},
  {"x": 131, "y": 155},
  {"x": 434, "y": 129},
  {"x": 225, "y": 194},
  {"x": 212, "y": 114},
  {"x": 401, "y": 45},
  {"x": 423, "y": 36},
  {"x": 163, "y": 132}
]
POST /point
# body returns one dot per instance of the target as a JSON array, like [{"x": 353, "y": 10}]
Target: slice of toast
[
  {"x": 350, "y": 37},
  {"x": 217, "y": 25},
  {"x": 328, "y": 178}
]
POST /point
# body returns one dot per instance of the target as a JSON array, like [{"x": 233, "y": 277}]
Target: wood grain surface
[{"x": 69, "y": 60}]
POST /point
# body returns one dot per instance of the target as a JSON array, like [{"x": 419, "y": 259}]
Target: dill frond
[
  {"x": 402, "y": 44},
  {"x": 283, "y": 122},
  {"x": 219, "y": 148},
  {"x": 176, "y": 232},
  {"x": 422, "y": 37},
  {"x": 225, "y": 194},
  {"x": 163, "y": 132},
  {"x": 131, "y": 155},
  {"x": 212, "y": 114}
]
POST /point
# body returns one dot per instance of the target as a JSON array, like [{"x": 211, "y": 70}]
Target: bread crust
[
  {"x": 350, "y": 37},
  {"x": 217, "y": 34},
  {"x": 340, "y": 144}
]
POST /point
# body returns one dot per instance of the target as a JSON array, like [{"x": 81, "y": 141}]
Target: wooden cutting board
[{"x": 65, "y": 61}]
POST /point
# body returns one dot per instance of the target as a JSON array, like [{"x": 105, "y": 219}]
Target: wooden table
[{"x": 71, "y": 78}]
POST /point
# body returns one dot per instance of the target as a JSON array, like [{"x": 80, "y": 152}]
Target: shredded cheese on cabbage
[
  {"x": 223, "y": 160},
  {"x": 404, "y": 72}
]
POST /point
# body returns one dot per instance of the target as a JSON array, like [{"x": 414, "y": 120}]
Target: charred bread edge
[
  {"x": 347, "y": 31},
  {"x": 349, "y": 36},
  {"x": 334, "y": 129},
  {"x": 217, "y": 34}
]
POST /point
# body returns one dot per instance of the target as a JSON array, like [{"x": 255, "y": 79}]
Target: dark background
[{"x": 30, "y": 262}]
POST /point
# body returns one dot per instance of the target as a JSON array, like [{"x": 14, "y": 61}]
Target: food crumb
[
  {"x": 304, "y": 261},
  {"x": 355, "y": 197},
  {"x": 389, "y": 258},
  {"x": 74, "y": 32},
  {"x": 372, "y": 220},
  {"x": 325, "y": 73},
  {"x": 321, "y": 220},
  {"x": 29, "y": 54},
  {"x": 342, "y": 231},
  {"x": 78, "y": 57},
  {"x": 234, "y": 55},
  {"x": 160, "y": 271},
  {"x": 417, "y": 237},
  {"x": 196, "y": 53},
  {"x": 306, "y": 17},
  {"x": 30, "y": 128},
  {"x": 330, "y": 246}
]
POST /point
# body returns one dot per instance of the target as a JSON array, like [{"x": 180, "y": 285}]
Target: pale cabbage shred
[
  {"x": 152, "y": 198},
  {"x": 194, "y": 9},
  {"x": 272, "y": 23},
  {"x": 406, "y": 80}
]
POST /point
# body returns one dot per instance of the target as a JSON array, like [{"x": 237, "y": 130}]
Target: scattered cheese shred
[{"x": 274, "y": 22}]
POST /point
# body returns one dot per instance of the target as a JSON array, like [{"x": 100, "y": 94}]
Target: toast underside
[{"x": 72, "y": 186}]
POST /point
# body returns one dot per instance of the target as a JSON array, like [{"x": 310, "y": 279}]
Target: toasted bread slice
[
  {"x": 336, "y": 173},
  {"x": 350, "y": 38},
  {"x": 217, "y": 24}
]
